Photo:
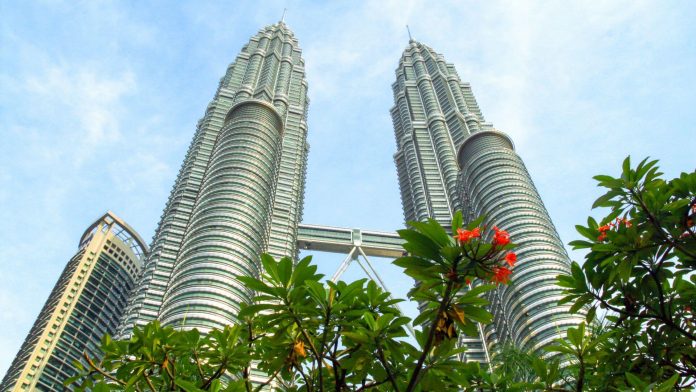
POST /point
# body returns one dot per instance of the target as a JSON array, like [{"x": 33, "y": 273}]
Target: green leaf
[
  {"x": 605, "y": 199},
  {"x": 316, "y": 290},
  {"x": 450, "y": 253},
  {"x": 587, "y": 233},
  {"x": 668, "y": 385},
  {"x": 626, "y": 168},
  {"x": 574, "y": 336},
  {"x": 434, "y": 231},
  {"x": 578, "y": 276},
  {"x": 539, "y": 367},
  {"x": 457, "y": 221},
  {"x": 580, "y": 244},
  {"x": 252, "y": 310},
  {"x": 357, "y": 336},
  {"x": 370, "y": 320},
  {"x": 579, "y": 303},
  {"x": 413, "y": 262},
  {"x": 634, "y": 381},
  {"x": 425, "y": 316},
  {"x": 285, "y": 271},
  {"x": 475, "y": 223},
  {"x": 187, "y": 386},
  {"x": 101, "y": 387},
  {"x": 420, "y": 245},
  {"x": 270, "y": 266},
  {"x": 591, "y": 314},
  {"x": 72, "y": 379},
  {"x": 604, "y": 248},
  {"x": 625, "y": 268},
  {"x": 477, "y": 314},
  {"x": 607, "y": 181},
  {"x": 480, "y": 289},
  {"x": 557, "y": 348},
  {"x": 257, "y": 285},
  {"x": 565, "y": 281}
]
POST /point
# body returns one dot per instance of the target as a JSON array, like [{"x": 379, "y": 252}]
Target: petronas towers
[{"x": 240, "y": 193}]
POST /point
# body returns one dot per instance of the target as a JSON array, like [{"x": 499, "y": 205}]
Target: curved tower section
[
  {"x": 230, "y": 223},
  {"x": 256, "y": 121},
  {"x": 495, "y": 183}
]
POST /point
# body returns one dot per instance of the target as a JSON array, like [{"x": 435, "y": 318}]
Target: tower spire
[
  {"x": 282, "y": 19},
  {"x": 409, "y": 33}
]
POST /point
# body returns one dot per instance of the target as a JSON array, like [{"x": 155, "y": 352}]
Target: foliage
[
  {"x": 639, "y": 268},
  {"x": 308, "y": 335},
  {"x": 313, "y": 336}
]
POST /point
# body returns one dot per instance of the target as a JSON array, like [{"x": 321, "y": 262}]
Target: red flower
[
  {"x": 463, "y": 235},
  {"x": 501, "y": 275},
  {"x": 511, "y": 258},
  {"x": 467, "y": 235},
  {"x": 476, "y": 233},
  {"x": 467, "y": 281},
  {"x": 605, "y": 228},
  {"x": 602, "y": 237},
  {"x": 501, "y": 237}
]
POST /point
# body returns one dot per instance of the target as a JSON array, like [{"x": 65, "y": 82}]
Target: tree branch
[
  {"x": 658, "y": 227},
  {"x": 273, "y": 376},
  {"x": 100, "y": 371},
  {"x": 216, "y": 375},
  {"x": 372, "y": 385},
  {"x": 309, "y": 385},
  {"x": 383, "y": 360},
  {"x": 431, "y": 335}
]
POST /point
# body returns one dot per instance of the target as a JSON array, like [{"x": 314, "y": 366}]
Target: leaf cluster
[{"x": 639, "y": 271}]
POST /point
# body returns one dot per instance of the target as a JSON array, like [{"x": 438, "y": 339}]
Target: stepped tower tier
[{"x": 434, "y": 111}]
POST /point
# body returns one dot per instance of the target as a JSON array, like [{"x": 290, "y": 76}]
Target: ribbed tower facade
[
  {"x": 449, "y": 159},
  {"x": 238, "y": 194},
  {"x": 86, "y": 303},
  {"x": 433, "y": 113}
]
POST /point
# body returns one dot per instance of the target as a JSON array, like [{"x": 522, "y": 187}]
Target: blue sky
[{"x": 100, "y": 100}]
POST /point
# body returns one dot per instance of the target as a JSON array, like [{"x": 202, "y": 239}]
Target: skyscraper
[
  {"x": 437, "y": 119},
  {"x": 86, "y": 303},
  {"x": 238, "y": 194}
]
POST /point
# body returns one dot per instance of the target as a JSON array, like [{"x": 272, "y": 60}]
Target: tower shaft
[{"x": 239, "y": 191}]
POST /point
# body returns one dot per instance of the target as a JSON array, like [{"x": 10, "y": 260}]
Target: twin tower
[{"x": 240, "y": 191}]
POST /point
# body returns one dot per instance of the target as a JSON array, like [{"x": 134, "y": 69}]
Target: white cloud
[{"x": 93, "y": 99}]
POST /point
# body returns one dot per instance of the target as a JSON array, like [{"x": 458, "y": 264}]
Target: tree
[{"x": 640, "y": 271}]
